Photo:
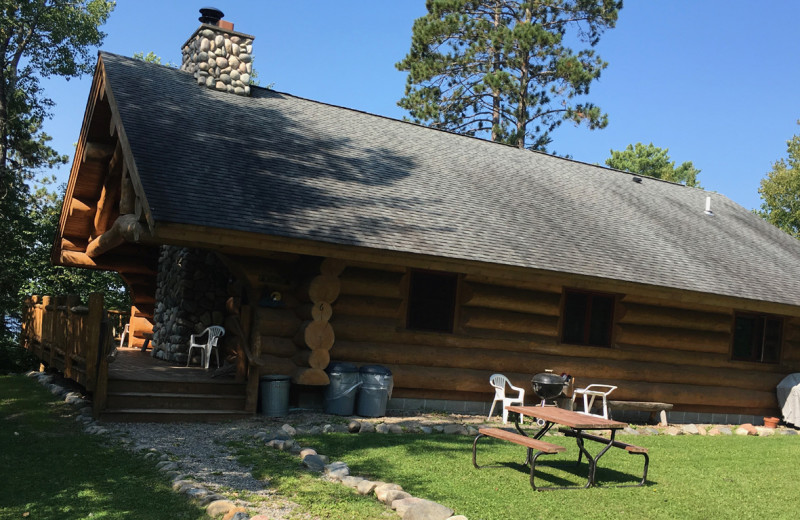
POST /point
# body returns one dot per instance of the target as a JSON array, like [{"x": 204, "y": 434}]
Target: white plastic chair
[
  {"x": 124, "y": 336},
  {"x": 589, "y": 394},
  {"x": 212, "y": 334},
  {"x": 499, "y": 382}
]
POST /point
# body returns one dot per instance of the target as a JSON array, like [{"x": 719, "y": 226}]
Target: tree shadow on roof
[{"x": 269, "y": 163}]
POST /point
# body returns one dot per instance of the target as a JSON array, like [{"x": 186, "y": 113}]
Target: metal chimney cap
[{"x": 210, "y": 15}]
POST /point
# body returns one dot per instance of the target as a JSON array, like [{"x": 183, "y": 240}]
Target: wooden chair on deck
[{"x": 212, "y": 335}]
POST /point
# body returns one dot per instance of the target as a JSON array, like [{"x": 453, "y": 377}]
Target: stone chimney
[{"x": 219, "y": 57}]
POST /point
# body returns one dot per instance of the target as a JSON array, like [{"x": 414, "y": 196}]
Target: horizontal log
[
  {"x": 791, "y": 331},
  {"x": 310, "y": 377},
  {"x": 275, "y": 346},
  {"x": 434, "y": 378},
  {"x": 387, "y": 331},
  {"x": 640, "y": 314},
  {"x": 371, "y": 306},
  {"x": 97, "y": 151},
  {"x": 312, "y": 358},
  {"x": 320, "y": 311},
  {"x": 316, "y": 335},
  {"x": 82, "y": 209},
  {"x": 322, "y": 288},
  {"x": 492, "y": 319},
  {"x": 368, "y": 282},
  {"x": 584, "y": 369},
  {"x": 106, "y": 263},
  {"x": 276, "y": 365},
  {"x": 656, "y": 299},
  {"x": 276, "y": 322},
  {"x": 679, "y": 339},
  {"x": 431, "y": 396},
  {"x": 532, "y": 282},
  {"x": 332, "y": 266},
  {"x": 703, "y": 408},
  {"x": 511, "y": 299}
]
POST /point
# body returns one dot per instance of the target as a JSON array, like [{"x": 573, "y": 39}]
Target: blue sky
[{"x": 715, "y": 81}]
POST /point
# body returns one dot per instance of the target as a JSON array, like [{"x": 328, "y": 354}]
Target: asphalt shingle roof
[{"x": 285, "y": 166}]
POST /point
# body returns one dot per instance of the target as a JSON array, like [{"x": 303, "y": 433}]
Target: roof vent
[
  {"x": 210, "y": 15},
  {"x": 708, "y": 207},
  {"x": 637, "y": 180}
]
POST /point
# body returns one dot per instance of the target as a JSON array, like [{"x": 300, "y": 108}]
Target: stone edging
[{"x": 392, "y": 495}]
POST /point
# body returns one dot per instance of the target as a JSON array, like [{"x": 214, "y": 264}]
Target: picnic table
[{"x": 581, "y": 426}]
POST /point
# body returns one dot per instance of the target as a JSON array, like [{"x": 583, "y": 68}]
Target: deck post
[{"x": 94, "y": 341}]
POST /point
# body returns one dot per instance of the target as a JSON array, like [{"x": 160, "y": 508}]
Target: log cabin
[{"x": 314, "y": 232}]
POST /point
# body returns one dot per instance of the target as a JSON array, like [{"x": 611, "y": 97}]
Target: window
[
  {"x": 757, "y": 338},
  {"x": 431, "y": 301},
  {"x": 587, "y": 318}
]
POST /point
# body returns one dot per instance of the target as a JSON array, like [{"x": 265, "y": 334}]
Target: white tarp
[{"x": 789, "y": 398}]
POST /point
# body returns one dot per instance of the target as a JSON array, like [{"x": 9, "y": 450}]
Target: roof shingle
[{"x": 285, "y": 166}]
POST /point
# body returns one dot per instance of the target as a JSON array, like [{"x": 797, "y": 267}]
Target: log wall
[
  {"x": 662, "y": 351},
  {"x": 292, "y": 306}
]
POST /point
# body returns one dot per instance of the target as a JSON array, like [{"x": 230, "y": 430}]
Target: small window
[
  {"x": 757, "y": 338},
  {"x": 587, "y": 318},
  {"x": 431, "y": 301}
]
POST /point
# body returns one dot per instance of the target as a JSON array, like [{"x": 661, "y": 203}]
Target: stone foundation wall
[{"x": 190, "y": 296}]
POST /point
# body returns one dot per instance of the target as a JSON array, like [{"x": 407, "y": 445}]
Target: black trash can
[
  {"x": 275, "y": 395},
  {"x": 340, "y": 395},
  {"x": 376, "y": 389}
]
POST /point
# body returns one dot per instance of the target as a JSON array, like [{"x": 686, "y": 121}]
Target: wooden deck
[
  {"x": 134, "y": 365},
  {"x": 142, "y": 388}
]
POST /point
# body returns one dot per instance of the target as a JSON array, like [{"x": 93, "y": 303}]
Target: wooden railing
[{"x": 72, "y": 338}]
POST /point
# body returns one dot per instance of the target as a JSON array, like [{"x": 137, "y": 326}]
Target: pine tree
[
  {"x": 503, "y": 69},
  {"x": 38, "y": 38}
]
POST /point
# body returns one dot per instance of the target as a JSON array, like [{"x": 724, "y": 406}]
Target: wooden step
[
  {"x": 182, "y": 401},
  {"x": 171, "y": 415},
  {"x": 177, "y": 387}
]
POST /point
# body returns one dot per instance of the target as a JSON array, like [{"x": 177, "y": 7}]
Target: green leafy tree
[
  {"x": 652, "y": 161},
  {"x": 38, "y": 39},
  {"x": 503, "y": 69},
  {"x": 780, "y": 191}
]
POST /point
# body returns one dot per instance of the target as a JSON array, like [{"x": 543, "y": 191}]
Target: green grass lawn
[
  {"x": 690, "y": 476},
  {"x": 52, "y": 470}
]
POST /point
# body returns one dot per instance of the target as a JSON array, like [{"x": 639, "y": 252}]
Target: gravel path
[{"x": 200, "y": 450}]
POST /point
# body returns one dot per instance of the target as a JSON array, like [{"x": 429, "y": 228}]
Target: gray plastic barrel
[
  {"x": 376, "y": 389},
  {"x": 274, "y": 395},
  {"x": 340, "y": 395}
]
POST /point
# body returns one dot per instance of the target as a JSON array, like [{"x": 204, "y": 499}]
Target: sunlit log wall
[{"x": 662, "y": 350}]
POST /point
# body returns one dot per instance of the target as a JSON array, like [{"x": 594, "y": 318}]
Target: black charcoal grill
[{"x": 548, "y": 385}]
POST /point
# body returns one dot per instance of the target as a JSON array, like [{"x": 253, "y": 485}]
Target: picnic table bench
[
  {"x": 643, "y": 406},
  {"x": 576, "y": 425},
  {"x": 541, "y": 447},
  {"x": 630, "y": 448}
]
